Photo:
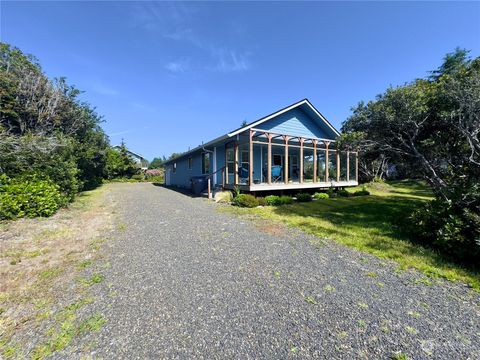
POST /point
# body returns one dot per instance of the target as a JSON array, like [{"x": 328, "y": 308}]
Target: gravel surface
[{"x": 187, "y": 281}]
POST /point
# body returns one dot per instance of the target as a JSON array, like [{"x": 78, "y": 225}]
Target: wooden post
[
  {"x": 348, "y": 165},
  {"x": 326, "y": 160},
  {"x": 301, "y": 160},
  {"x": 314, "y": 160},
  {"x": 235, "y": 151},
  {"x": 338, "y": 165},
  {"x": 285, "y": 163},
  {"x": 250, "y": 165},
  {"x": 223, "y": 178},
  {"x": 269, "y": 160},
  {"x": 209, "y": 189}
]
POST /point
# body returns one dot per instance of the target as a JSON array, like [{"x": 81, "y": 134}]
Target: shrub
[
  {"x": 235, "y": 191},
  {"x": 273, "y": 200},
  {"x": 286, "y": 200},
  {"x": 245, "y": 200},
  {"x": 261, "y": 201},
  {"x": 138, "y": 177},
  {"x": 362, "y": 192},
  {"x": 304, "y": 197},
  {"x": 321, "y": 195},
  {"x": 29, "y": 196},
  {"x": 343, "y": 193},
  {"x": 450, "y": 228},
  {"x": 331, "y": 193}
]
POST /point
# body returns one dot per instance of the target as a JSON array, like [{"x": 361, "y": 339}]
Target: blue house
[{"x": 293, "y": 148}]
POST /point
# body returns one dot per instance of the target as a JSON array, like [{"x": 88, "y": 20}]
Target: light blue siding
[
  {"x": 183, "y": 174},
  {"x": 296, "y": 122}
]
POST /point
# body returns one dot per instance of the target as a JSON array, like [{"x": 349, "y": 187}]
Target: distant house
[
  {"x": 292, "y": 148},
  {"x": 141, "y": 162}
]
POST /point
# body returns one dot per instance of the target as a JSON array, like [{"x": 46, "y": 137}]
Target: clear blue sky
[{"x": 167, "y": 76}]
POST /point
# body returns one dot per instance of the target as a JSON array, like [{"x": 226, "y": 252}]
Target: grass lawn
[
  {"x": 43, "y": 264},
  {"x": 375, "y": 224}
]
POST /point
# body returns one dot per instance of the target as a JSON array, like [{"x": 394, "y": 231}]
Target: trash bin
[{"x": 199, "y": 183}]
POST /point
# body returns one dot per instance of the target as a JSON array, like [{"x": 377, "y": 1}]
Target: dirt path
[{"x": 186, "y": 281}]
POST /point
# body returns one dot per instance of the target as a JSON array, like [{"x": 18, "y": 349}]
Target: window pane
[
  {"x": 353, "y": 164},
  {"x": 321, "y": 165},
  {"x": 332, "y": 165}
]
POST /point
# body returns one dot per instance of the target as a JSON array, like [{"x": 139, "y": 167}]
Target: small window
[
  {"x": 190, "y": 162},
  {"x": 205, "y": 163},
  {"x": 174, "y": 168}
]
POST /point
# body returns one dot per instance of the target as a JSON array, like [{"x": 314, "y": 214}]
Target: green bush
[
  {"x": 262, "y": 201},
  {"x": 273, "y": 200},
  {"x": 286, "y": 200},
  {"x": 321, "y": 195},
  {"x": 138, "y": 177},
  {"x": 451, "y": 228},
  {"x": 331, "y": 193},
  {"x": 304, "y": 197},
  {"x": 362, "y": 192},
  {"x": 343, "y": 193},
  {"x": 246, "y": 200},
  {"x": 29, "y": 196}
]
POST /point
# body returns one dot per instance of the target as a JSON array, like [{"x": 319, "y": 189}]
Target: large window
[
  {"x": 321, "y": 165},
  {"x": 230, "y": 155},
  {"x": 353, "y": 166},
  {"x": 190, "y": 161},
  {"x": 206, "y": 163},
  {"x": 332, "y": 165},
  {"x": 174, "y": 167}
]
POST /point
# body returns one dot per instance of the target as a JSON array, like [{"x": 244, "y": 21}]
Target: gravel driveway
[{"x": 187, "y": 281}]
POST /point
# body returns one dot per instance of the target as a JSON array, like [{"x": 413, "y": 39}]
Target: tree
[
  {"x": 157, "y": 162},
  {"x": 431, "y": 127},
  {"x": 119, "y": 164},
  {"x": 45, "y": 128}
]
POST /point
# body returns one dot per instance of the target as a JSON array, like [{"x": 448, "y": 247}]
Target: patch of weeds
[
  {"x": 380, "y": 284},
  {"x": 362, "y": 323},
  {"x": 84, "y": 264},
  {"x": 385, "y": 329},
  {"x": 14, "y": 262},
  {"x": 95, "y": 244},
  {"x": 50, "y": 273},
  {"x": 399, "y": 356},
  {"x": 9, "y": 351},
  {"x": 423, "y": 281},
  {"x": 107, "y": 265},
  {"x": 293, "y": 349},
  {"x": 411, "y": 330},
  {"x": 364, "y": 260},
  {"x": 62, "y": 335},
  {"x": 122, "y": 227},
  {"x": 311, "y": 300},
  {"x": 425, "y": 305},
  {"x": 94, "y": 279},
  {"x": 362, "y": 305},
  {"x": 92, "y": 324},
  {"x": 372, "y": 274},
  {"x": 342, "y": 334},
  {"x": 329, "y": 288},
  {"x": 276, "y": 274},
  {"x": 414, "y": 314}
]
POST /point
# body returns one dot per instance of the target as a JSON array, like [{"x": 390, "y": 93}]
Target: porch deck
[{"x": 291, "y": 186}]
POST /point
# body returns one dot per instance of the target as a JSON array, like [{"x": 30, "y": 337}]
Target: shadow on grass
[{"x": 378, "y": 224}]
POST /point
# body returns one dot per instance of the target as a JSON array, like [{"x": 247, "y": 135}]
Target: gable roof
[{"x": 302, "y": 103}]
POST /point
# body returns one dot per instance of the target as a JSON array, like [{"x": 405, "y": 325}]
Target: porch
[{"x": 260, "y": 160}]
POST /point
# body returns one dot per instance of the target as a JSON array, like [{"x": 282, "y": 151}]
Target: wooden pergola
[{"x": 288, "y": 141}]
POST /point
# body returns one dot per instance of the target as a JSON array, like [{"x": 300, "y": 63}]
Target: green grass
[{"x": 375, "y": 224}]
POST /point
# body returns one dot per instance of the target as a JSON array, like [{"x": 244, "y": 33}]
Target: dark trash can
[{"x": 199, "y": 183}]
